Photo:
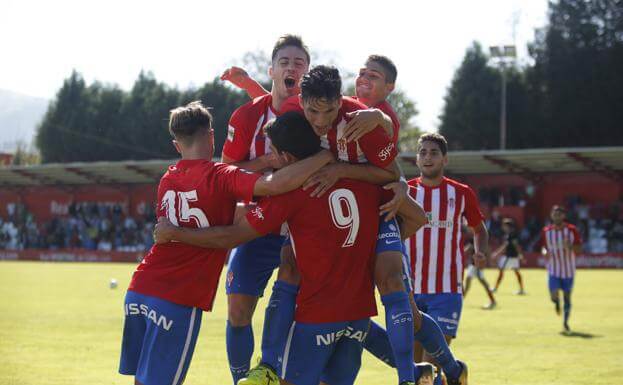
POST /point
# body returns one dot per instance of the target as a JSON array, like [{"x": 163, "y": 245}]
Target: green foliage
[
  {"x": 571, "y": 96},
  {"x": 102, "y": 122}
]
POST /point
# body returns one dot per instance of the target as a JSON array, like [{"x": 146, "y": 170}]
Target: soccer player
[
  {"x": 475, "y": 271},
  {"x": 247, "y": 146},
  {"x": 436, "y": 250},
  {"x": 175, "y": 282},
  {"x": 561, "y": 241},
  {"x": 509, "y": 254},
  {"x": 334, "y": 238}
]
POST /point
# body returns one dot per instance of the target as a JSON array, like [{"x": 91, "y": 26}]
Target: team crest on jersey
[
  {"x": 258, "y": 213},
  {"x": 230, "y": 133},
  {"x": 342, "y": 145}
]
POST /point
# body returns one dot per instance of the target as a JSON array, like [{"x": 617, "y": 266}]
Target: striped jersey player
[{"x": 560, "y": 242}]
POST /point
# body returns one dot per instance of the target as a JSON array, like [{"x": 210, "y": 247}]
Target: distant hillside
[{"x": 19, "y": 116}]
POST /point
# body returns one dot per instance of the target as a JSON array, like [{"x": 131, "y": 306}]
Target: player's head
[
  {"x": 289, "y": 61},
  {"x": 558, "y": 214},
  {"x": 191, "y": 127},
  {"x": 376, "y": 80},
  {"x": 321, "y": 97},
  {"x": 508, "y": 225},
  {"x": 291, "y": 133},
  {"x": 432, "y": 155}
]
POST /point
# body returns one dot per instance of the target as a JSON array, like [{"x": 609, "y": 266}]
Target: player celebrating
[
  {"x": 174, "y": 283},
  {"x": 331, "y": 235},
  {"x": 509, "y": 255},
  {"x": 436, "y": 250},
  {"x": 561, "y": 241},
  {"x": 247, "y": 146},
  {"x": 475, "y": 271}
]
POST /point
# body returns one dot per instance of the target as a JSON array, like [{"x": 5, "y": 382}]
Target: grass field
[{"x": 60, "y": 323}]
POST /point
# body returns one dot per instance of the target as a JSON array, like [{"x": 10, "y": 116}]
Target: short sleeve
[
  {"x": 239, "y": 135},
  {"x": 240, "y": 183},
  {"x": 472, "y": 210},
  {"x": 378, "y": 147},
  {"x": 271, "y": 213}
]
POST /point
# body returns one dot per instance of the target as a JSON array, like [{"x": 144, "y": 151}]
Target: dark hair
[
  {"x": 434, "y": 137},
  {"x": 321, "y": 82},
  {"x": 509, "y": 222},
  {"x": 290, "y": 41},
  {"x": 291, "y": 132},
  {"x": 560, "y": 208},
  {"x": 389, "y": 68},
  {"x": 186, "y": 121}
]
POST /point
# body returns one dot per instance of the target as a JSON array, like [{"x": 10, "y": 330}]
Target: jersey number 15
[{"x": 186, "y": 213}]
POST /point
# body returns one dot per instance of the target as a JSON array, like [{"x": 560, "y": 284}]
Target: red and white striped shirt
[
  {"x": 561, "y": 261},
  {"x": 246, "y": 139},
  {"x": 436, "y": 250}
]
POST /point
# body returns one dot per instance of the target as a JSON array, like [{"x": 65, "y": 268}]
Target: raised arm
[{"x": 241, "y": 79}]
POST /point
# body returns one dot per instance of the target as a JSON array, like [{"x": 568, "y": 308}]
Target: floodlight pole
[{"x": 503, "y": 108}]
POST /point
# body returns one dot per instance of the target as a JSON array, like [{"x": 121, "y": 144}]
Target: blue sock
[
  {"x": 566, "y": 308},
  {"x": 377, "y": 343},
  {"x": 239, "y": 342},
  {"x": 432, "y": 339},
  {"x": 399, "y": 320},
  {"x": 277, "y": 321}
]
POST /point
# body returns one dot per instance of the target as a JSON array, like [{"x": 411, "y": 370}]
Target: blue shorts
[
  {"x": 557, "y": 283},
  {"x": 388, "y": 239},
  {"x": 252, "y": 264},
  {"x": 327, "y": 352},
  {"x": 158, "y": 339},
  {"x": 444, "y": 308}
]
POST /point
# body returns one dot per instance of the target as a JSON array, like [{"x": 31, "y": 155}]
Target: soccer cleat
[
  {"x": 566, "y": 326},
  {"x": 260, "y": 375},
  {"x": 489, "y": 306},
  {"x": 520, "y": 292},
  {"x": 427, "y": 373},
  {"x": 462, "y": 380}
]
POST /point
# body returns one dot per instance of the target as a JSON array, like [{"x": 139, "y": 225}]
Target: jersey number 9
[{"x": 345, "y": 213}]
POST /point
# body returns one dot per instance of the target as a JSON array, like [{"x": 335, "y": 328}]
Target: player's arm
[
  {"x": 519, "y": 249},
  {"x": 215, "y": 237},
  {"x": 364, "y": 121},
  {"x": 292, "y": 176},
  {"x": 261, "y": 163},
  {"x": 241, "y": 79},
  {"x": 411, "y": 213},
  {"x": 481, "y": 244}
]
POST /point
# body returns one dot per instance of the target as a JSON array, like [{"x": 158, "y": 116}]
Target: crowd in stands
[
  {"x": 88, "y": 225},
  {"x": 105, "y": 226}
]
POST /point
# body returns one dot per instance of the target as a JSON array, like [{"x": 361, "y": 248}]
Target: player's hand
[
  {"x": 236, "y": 76},
  {"x": 277, "y": 161},
  {"x": 163, "y": 231},
  {"x": 401, "y": 190},
  {"x": 362, "y": 122},
  {"x": 323, "y": 179},
  {"x": 480, "y": 260}
]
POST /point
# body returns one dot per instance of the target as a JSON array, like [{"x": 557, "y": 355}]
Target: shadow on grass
[{"x": 579, "y": 334}]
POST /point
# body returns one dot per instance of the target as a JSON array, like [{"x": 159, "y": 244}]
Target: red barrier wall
[{"x": 73, "y": 255}]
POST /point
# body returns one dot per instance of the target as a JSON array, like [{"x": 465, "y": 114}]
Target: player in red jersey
[
  {"x": 560, "y": 242},
  {"x": 436, "y": 250},
  {"x": 175, "y": 282},
  {"x": 331, "y": 235},
  {"x": 247, "y": 146}
]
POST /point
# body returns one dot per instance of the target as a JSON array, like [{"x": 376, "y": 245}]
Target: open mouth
[{"x": 290, "y": 82}]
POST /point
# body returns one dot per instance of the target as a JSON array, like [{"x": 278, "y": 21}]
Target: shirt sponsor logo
[
  {"x": 386, "y": 152},
  {"x": 142, "y": 309},
  {"x": 258, "y": 213},
  {"x": 447, "y": 224},
  {"x": 331, "y": 338}
]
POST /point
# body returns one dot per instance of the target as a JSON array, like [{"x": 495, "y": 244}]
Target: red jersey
[
  {"x": 436, "y": 250},
  {"x": 375, "y": 147},
  {"x": 389, "y": 111},
  {"x": 246, "y": 139},
  {"x": 561, "y": 261},
  {"x": 334, "y": 240},
  {"x": 192, "y": 193}
]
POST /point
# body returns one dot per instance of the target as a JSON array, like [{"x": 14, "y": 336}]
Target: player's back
[
  {"x": 334, "y": 238},
  {"x": 193, "y": 193}
]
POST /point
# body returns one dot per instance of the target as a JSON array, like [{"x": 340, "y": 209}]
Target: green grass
[{"x": 61, "y": 324}]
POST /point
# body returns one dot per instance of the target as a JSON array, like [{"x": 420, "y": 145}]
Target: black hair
[
  {"x": 321, "y": 82},
  {"x": 434, "y": 137},
  {"x": 186, "y": 121},
  {"x": 292, "y": 133},
  {"x": 290, "y": 41},
  {"x": 389, "y": 68}
]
